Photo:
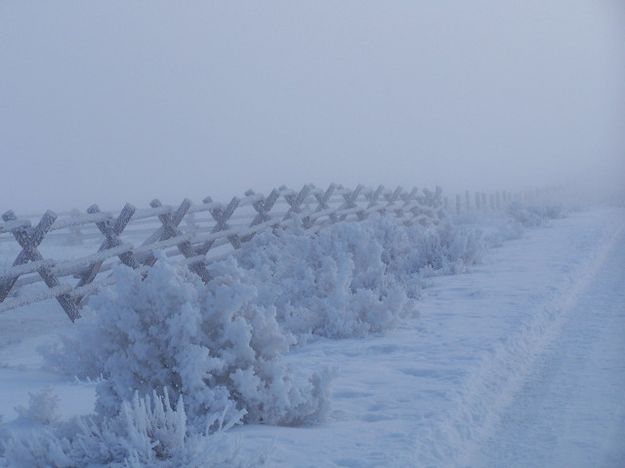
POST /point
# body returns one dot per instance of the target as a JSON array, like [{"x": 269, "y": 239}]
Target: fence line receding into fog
[{"x": 195, "y": 233}]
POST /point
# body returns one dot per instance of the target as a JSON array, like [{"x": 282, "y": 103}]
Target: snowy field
[{"x": 503, "y": 348}]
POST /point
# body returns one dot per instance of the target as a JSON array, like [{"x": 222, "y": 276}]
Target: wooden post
[{"x": 29, "y": 239}]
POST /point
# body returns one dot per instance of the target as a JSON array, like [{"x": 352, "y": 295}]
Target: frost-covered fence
[
  {"x": 482, "y": 201},
  {"x": 195, "y": 233},
  {"x": 468, "y": 202}
]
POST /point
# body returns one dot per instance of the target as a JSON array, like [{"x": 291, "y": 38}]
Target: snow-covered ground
[
  {"x": 570, "y": 410},
  {"x": 433, "y": 392},
  {"x": 519, "y": 362}
]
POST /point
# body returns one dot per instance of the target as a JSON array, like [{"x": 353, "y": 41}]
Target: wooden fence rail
[{"x": 197, "y": 233}]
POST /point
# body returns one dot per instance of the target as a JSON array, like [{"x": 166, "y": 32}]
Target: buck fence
[{"x": 196, "y": 234}]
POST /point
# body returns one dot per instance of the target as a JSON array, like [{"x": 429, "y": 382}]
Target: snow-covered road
[{"x": 570, "y": 412}]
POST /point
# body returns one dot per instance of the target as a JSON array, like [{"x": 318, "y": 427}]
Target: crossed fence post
[{"x": 29, "y": 238}]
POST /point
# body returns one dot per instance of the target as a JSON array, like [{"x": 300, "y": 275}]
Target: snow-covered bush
[
  {"x": 499, "y": 227},
  {"x": 147, "y": 431},
  {"x": 209, "y": 355},
  {"x": 535, "y": 215},
  {"x": 220, "y": 342},
  {"x": 43, "y": 407},
  {"x": 351, "y": 279},
  {"x": 212, "y": 344},
  {"x": 331, "y": 284},
  {"x": 442, "y": 249}
]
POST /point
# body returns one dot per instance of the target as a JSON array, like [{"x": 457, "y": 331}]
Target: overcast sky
[{"x": 115, "y": 101}]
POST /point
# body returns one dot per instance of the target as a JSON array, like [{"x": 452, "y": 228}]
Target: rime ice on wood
[{"x": 186, "y": 231}]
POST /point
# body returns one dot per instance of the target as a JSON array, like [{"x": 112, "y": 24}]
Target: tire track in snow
[
  {"x": 570, "y": 412},
  {"x": 474, "y": 413}
]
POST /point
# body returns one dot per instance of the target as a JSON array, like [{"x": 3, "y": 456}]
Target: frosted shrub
[
  {"x": 209, "y": 355},
  {"x": 351, "y": 279},
  {"x": 147, "y": 431},
  {"x": 247, "y": 338},
  {"x": 331, "y": 284},
  {"x": 43, "y": 407},
  {"x": 535, "y": 215},
  {"x": 211, "y": 344},
  {"x": 443, "y": 249}
]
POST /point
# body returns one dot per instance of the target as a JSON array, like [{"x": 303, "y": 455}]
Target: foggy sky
[{"x": 116, "y": 101}]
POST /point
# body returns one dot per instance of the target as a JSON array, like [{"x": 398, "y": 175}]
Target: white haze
[{"x": 116, "y": 101}]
